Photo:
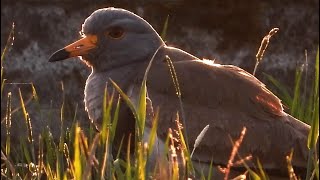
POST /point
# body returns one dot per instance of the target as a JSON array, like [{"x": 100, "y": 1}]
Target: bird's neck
[
  {"x": 99, "y": 80},
  {"x": 123, "y": 75}
]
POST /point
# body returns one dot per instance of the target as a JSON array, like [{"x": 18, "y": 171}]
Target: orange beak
[{"x": 78, "y": 48}]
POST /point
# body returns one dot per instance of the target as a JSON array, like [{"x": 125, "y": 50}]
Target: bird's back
[{"x": 223, "y": 96}]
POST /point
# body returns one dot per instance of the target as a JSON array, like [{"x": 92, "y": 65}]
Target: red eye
[{"x": 116, "y": 33}]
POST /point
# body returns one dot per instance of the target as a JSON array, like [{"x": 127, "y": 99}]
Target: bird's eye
[{"x": 116, "y": 33}]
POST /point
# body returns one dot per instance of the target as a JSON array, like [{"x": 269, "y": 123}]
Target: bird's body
[{"x": 223, "y": 96}]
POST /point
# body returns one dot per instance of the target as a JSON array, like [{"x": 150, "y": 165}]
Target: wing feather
[{"x": 227, "y": 98}]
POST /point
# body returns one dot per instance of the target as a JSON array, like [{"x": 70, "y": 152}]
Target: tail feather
[
  {"x": 302, "y": 127},
  {"x": 301, "y": 151}
]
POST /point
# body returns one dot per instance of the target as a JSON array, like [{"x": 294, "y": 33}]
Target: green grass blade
[
  {"x": 89, "y": 163},
  {"x": 125, "y": 98},
  {"x": 77, "y": 156},
  {"x": 107, "y": 105},
  {"x": 143, "y": 96},
  {"x": 49, "y": 146},
  {"x": 284, "y": 93},
  {"x": 8, "y": 124},
  {"x": 59, "y": 164},
  {"x": 262, "y": 173},
  {"x": 254, "y": 175},
  {"x": 2, "y": 82},
  {"x": 317, "y": 168},
  {"x": 23, "y": 107},
  {"x": 210, "y": 170},
  {"x": 153, "y": 132},
  {"x": 40, "y": 157},
  {"x": 75, "y": 115},
  {"x": 28, "y": 124},
  {"x": 106, "y": 161},
  {"x": 296, "y": 96},
  {"x": 9, "y": 41},
  {"x": 120, "y": 147},
  {"x": 25, "y": 150},
  {"x": 115, "y": 120},
  {"x": 312, "y": 140},
  {"x": 314, "y": 133},
  {"x": 309, "y": 109},
  {"x": 142, "y": 106},
  {"x": 316, "y": 78},
  {"x": 34, "y": 93},
  {"x": 141, "y": 162},
  {"x": 59, "y": 150},
  {"x": 165, "y": 28},
  {"x": 6, "y": 47},
  {"x": 61, "y": 139},
  {"x": 48, "y": 171},
  {"x": 117, "y": 169},
  {"x": 66, "y": 153},
  {"x": 128, "y": 169}
]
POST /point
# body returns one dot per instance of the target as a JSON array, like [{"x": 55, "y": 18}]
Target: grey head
[{"x": 112, "y": 37}]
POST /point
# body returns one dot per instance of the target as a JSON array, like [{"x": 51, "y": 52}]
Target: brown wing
[{"x": 227, "y": 98}]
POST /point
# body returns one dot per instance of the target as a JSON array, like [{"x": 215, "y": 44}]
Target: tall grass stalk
[
  {"x": 77, "y": 157},
  {"x": 178, "y": 93},
  {"x": 305, "y": 110},
  {"x": 9, "y": 43},
  {"x": 263, "y": 46},
  {"x": 8, "y": 124},
  {"x": 165, "y": 28},
  {"x": 314, "y": 132}
]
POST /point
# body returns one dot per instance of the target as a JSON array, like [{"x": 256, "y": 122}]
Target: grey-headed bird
[{"x": 118, "y": 45}]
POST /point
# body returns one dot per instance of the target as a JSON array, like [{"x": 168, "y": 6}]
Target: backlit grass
[{"x": 80, "y": 154}]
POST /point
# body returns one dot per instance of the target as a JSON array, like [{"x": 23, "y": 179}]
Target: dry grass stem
[
  {"x": 234, "y": 151},
  {"x": 9, "y": 163},
  {"x": 8, "y": 123},
  {"x": 263, "y": 46},
  {"x": 291, "y": 173},
  {"x": 173, "y": 165},
  {"x": 241, "y": 177},
  {"x": 66, "y": 153},
  {"x": 85, "y": 148},
  {"x": 241, "y": 161},
  {"x": 106, "y": 158},
  {"x": 10, "y": 41},
  {"x": 91, "y": 158}
]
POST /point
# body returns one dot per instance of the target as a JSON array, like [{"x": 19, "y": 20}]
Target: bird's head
[{"x": 112, "y": 37}]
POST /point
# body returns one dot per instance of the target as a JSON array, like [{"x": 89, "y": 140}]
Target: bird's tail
[
  {"x": 301, "y": 151},
  {"x": 302, "y": 127}
]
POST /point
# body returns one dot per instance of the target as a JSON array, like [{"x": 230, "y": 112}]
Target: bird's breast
[
  {"x": 97, "y": 82},
  {"x": 93, "y": 95}
]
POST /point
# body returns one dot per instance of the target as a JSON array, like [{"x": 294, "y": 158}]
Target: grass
[
  {"x": 82, "y": 155},
  {"x": 304, "y": 108}
]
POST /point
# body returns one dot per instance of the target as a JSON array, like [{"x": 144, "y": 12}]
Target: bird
[{"x": 119, "y": 45}]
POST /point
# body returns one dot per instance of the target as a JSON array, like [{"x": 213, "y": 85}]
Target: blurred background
[{"x": 228, "y": 31}]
